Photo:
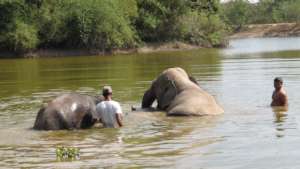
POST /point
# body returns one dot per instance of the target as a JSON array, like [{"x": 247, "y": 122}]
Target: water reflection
[
  {"x": 22, "y": 76},
  {"x": 280, "y": 114},
  {"x": 164, "y": 138},
  {"x": 262, "y": 45}
]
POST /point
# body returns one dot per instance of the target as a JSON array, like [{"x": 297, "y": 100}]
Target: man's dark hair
[
  {"x": 106, "y": 91},
  {"x": 278, "y": 79},
  {"x": 105, "y": 94}
]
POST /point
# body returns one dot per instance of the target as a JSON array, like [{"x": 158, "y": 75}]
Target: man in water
[
  {"x": 109, "y": 111},
  {"x": 279, "y": 97}
]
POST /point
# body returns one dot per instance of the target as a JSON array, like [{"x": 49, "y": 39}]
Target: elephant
[
  {"x": 68, "y": 111},
  {"x": 179, "y": 94}
]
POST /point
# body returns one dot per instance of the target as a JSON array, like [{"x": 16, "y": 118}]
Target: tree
[
  {"x": 22, "y": 38},
  {"x": 16, "y": 31},
  {"x": 102, "y": 25},
  {"x": 236, "y": 13},
  {"x": 205, "y": 6},
  {"x": 157, "y": 19}
]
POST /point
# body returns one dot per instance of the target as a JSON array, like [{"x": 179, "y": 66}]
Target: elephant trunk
[
  {"x": 148, "y": 99},
  {"x": 88, "y": 121}
]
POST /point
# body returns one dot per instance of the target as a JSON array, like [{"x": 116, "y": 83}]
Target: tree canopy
[
  {"x": 240, "y": 12},
  {"x": 105, "y": 25}
]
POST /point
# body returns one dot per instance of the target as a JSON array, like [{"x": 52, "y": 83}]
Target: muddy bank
[
  {"x": 147, "y": 48},
  {"x": 268, "y": 30}
]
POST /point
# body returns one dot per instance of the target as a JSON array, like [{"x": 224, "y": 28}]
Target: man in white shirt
[{"x": 109, "y": 111}]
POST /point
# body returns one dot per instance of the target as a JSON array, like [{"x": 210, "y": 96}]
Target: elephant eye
[{"x": 166, "y": 89}]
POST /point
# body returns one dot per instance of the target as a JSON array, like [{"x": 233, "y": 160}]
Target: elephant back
[
  {"x": 194, "y": 102},
  {"x": 76, "y": 108},
  {"x": 67, "y": 111}
]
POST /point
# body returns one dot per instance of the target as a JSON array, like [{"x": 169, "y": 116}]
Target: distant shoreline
[
  {"x": 248, "y": 31},
  {"x": 268, "y": 30},
  {"x": 148, "y": 48}
]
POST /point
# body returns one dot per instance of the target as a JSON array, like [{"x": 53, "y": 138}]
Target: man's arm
[
  {"x": 119, "y": 113},
  {"x": 119, "y": 119}
]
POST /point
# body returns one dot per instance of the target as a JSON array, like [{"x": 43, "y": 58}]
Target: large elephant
[
  {"x": 68, "y": 111},
  {"x": 179, "y": 94}
]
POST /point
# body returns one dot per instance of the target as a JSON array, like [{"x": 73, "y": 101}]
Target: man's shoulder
[
  {"x": 115, "y": 103},
  {"x": 117, "y": 106},
  {"x": 111, "y": 102},
  {"x": 282, "y": 93},
  {"x": 99, "y": 104}
]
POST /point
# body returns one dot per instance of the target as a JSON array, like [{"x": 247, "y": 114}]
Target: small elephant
[
  {"x": 180, "y": 95},
  {"x": 68, "y": 111}
]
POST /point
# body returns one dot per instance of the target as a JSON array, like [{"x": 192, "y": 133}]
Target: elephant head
[{"x": 179, "y": 94}]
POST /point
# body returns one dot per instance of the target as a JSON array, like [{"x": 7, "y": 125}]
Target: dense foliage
[
  {"x": 240, "y": 12},
  {"x": 104, "y": 25}
]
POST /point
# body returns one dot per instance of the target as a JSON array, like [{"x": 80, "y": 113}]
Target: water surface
[{"x": 248, "y": 135}]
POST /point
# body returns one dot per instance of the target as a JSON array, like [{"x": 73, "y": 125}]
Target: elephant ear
[
  {"x": 167, "y": 96},
  {"x": 40, "y": 119}
]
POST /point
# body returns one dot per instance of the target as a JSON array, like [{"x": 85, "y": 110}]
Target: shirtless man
[{"x": 279, "y": 97}]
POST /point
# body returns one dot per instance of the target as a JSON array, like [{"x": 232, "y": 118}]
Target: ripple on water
[{"x": 248, "y": 135}]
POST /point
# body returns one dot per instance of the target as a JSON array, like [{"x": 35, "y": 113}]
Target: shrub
[
  {"x": 201, "y": 29},
  {"x": 16, "y": 32},
  {"x": 158, "y": 19},
  {"x": 102, "y": 25},
  {"x": 288, "y": 11},
  {"x": 236, "y": 13},
  {"x": 22, "y": 38}
]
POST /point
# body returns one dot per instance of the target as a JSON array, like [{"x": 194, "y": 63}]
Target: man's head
[
  {"x": 106, "y": 91},
  {"x": 278, "y": 82}
]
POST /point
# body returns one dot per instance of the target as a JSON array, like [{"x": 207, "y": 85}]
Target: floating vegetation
[{"x": 67, "y": 153}]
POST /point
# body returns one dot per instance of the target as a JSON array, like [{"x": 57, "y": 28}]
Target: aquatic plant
[{"x": 67, "y": 153}]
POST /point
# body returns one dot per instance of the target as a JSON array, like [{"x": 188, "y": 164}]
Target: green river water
[{"x": 248, "y": 135}]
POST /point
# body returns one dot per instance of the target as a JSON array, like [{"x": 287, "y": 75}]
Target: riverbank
[
  {"x": 268, "y": 30},
  {"x": 147, "y": 48}
]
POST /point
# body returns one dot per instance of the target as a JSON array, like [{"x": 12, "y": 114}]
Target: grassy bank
[{"x": 147, "y": 48}]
